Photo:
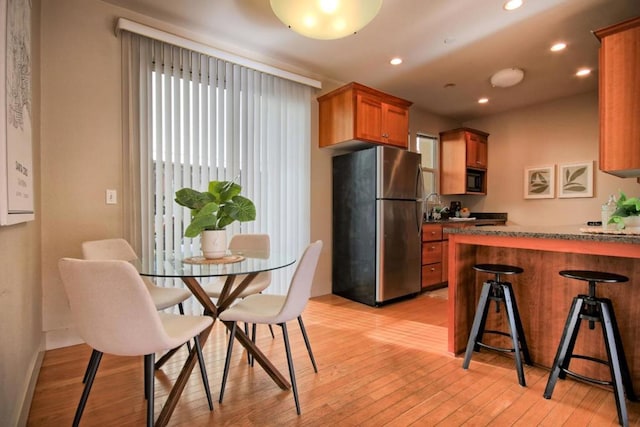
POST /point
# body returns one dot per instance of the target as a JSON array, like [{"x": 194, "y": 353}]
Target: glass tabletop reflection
[{"x": 174, "y": 264}]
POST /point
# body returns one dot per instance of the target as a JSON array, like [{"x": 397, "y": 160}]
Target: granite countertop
[{"x": 565, "y": 232}]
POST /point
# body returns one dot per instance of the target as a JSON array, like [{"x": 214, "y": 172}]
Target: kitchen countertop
[{"x": 565, "y": 232}]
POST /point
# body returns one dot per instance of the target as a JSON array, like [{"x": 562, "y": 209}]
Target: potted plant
[
  {"x": 212, "y": 211},
  {"x": 627, "y": 213}
]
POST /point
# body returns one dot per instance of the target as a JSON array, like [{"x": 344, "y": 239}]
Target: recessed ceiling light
[
  {"x": 396, "y": 61},
  {"x": 512, "y": 4},
  {"x": 483, "y": 100},
  {"x": 558, "y": 47},
  {"x": 582, "y": 72}
]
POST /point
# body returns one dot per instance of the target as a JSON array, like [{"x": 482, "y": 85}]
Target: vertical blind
[{"x": 193, "y": 118}]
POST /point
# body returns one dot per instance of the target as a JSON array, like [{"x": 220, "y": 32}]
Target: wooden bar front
[{"x": 543, "y": 296}]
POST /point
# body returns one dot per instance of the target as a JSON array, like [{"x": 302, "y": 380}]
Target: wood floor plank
[{"x": 377, "y": 366}]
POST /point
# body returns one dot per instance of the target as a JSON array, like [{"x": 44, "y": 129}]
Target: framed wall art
[
  {"x": 575, "y": 180},
  {"x": 539, "y": 182},
  {"x": 16, "y": 147}
]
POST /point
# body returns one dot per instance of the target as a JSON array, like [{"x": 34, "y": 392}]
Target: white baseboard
[
  {"x": 59, "y": 338},
  {"x": 21, "y": 414}
]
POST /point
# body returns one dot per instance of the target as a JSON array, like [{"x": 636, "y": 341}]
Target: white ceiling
[{"x": 441, "y": 41}]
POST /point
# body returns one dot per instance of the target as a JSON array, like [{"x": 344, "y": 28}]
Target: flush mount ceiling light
[
  {"x": 326, "y": 19},
  {"x": 512, "y": 4},
  {"x": 507, "y": 77}
]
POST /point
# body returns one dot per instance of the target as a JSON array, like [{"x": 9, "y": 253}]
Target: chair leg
[
  {"x": 149, "y": 360},
  {"x": 565, "y": 347},
  {"x": 292, "y": 373},
  {"x": 246, "y": 332},
  {"x": 615, "y": 364},
  {"x": 93, "y": 368},
  {"x": 515, "y": 336},
  {"x": 306, "y": 342},
  {"x": 253, "y": 337},
  {"x": 626, "y": 373},
  {"x": 254, "y": 328},
  {"x": 146, "y": 385},
  {"x": 227, "y": 362},
  {"x": 203, "y": 372},
  {"x": 478, "y": 322},
  {"x": 523, "y": 341},
  {"x": 94, "y": 354}
]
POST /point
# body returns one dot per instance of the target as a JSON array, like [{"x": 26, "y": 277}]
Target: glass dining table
[{"x": 191, "y": 270}]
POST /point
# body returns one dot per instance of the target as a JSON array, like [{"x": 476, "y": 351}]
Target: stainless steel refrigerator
[{"x": 377, "y": 219}]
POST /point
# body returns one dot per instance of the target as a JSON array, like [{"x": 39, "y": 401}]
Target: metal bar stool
[
  {"x": 593, "y": 309},
  {"x": 498, "y": 291}
]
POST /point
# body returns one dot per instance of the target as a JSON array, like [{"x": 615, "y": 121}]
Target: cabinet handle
[
  {"x": 433, "y": 247},
  {"x": 433, "y": 269}
]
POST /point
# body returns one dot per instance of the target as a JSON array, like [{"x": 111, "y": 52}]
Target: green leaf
[
  {"x": 192, "y": 199},
  {"x": 577, "y": 173}
]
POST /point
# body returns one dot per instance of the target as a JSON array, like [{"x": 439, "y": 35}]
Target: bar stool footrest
[
  {"x": 491, "y": 347},
  {"x": 587, "y": 379}
]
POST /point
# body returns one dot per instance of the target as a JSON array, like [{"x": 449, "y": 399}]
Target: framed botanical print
[
  {"x": 539, "y": 182},
  {"x": 575, "y": 180}
]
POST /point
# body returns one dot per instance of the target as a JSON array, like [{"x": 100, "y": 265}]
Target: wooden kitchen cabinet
[
  {"x": 431, "y": 255},
  {"x": 356, "y": 113},
  {"x": 619, "y": 93},
  {"x": 476, "y": 149},
  {"x": 463, "y": 161},
  {"x": 435, "y": 250}
]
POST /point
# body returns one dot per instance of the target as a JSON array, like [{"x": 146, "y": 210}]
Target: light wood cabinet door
[
  {"x": 395, "y": 125},
  {"x": 356, "y": 114},
  {"x": 476, "y": 150},
  {"x": 620, "y": 98}
]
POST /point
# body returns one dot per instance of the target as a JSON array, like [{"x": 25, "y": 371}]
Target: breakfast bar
[{"x": 544, "y": 297}]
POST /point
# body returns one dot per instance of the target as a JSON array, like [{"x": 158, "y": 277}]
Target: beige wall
[
  {"x": 21, "y": 339},
  {"x": 77, "y": 134},
  {"x": 562, "y": 131}
]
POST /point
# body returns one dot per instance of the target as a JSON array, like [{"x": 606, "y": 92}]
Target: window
[
  {"x": 428, "y": 148},
  {"x": 194, "y": 118}
]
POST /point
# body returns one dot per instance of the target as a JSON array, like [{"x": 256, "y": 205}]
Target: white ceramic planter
[
  {"x": 631, "y": 222},
  {"x": 213, "y": 243}
]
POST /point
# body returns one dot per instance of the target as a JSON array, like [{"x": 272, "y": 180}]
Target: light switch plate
[{"x": 112, "y": 197}]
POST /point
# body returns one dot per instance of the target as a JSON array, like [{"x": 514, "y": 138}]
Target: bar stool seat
[
  {"x": 594, "y": 309},
  {"x": 501, "y": 292}
]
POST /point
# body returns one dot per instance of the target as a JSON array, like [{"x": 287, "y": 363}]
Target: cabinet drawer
[
  {"x": 431, "y": 232},
  {"x": 431, "y": 252},
  {"x": 431, "y": 274}
]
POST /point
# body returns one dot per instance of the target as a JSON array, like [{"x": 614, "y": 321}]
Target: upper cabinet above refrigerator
[{"x": 355, "y": 114}]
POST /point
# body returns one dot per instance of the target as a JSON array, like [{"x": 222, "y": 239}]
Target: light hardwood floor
[{"x": 377, "y": 366}]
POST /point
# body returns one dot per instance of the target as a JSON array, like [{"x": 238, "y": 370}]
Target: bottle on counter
[{"x": 608, "y": 210}]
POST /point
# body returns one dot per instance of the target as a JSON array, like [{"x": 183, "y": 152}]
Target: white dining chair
[
  {"x": 277, "y": 310},
  {"x": 257, "y": 245},
  {"x": 114, "y": 313},
  {"x": 120, "y": 249}
]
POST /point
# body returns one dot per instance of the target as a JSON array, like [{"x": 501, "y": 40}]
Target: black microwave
[{"x": 475, "y": 181}]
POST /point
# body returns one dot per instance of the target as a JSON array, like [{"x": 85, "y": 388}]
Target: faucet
[{"x": 429, "y": 206}]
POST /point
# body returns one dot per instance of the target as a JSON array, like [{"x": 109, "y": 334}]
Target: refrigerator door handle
[{"x": 419, "y": 198}]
